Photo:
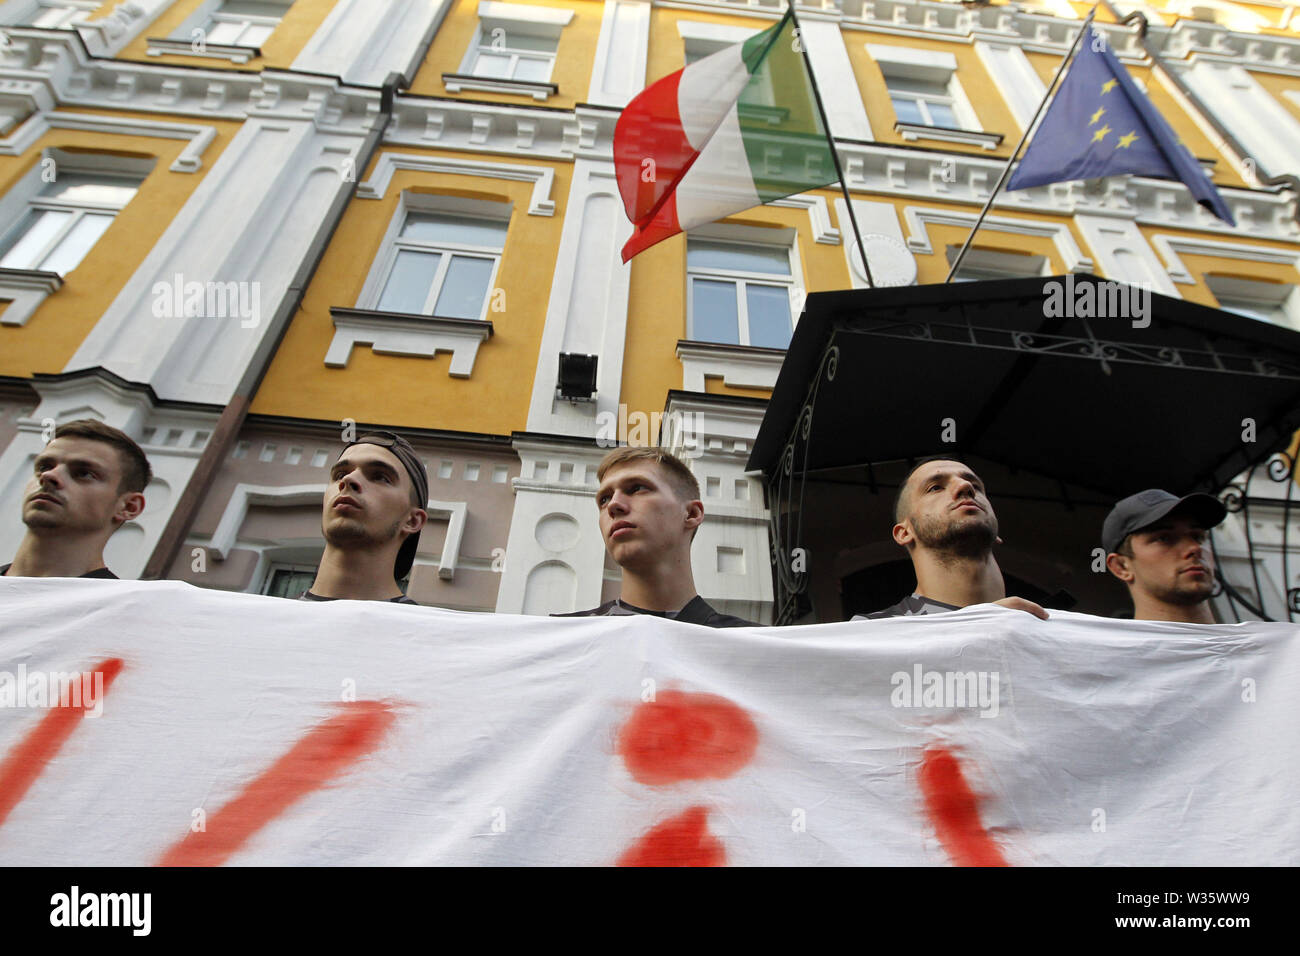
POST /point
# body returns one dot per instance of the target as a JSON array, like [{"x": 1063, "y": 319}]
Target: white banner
[{"x": 146, "y": 723}]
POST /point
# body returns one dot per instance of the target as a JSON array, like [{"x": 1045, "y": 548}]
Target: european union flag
[{"x": 1101, "y": 124}]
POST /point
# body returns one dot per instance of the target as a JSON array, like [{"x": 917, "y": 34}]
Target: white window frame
[
  {"x": 520, "y": 18},
  {"x": 25, "y": 199},
  {"x": 783, "y": 239},
  {"x": 246, "y": 22},
  {"x": 930, "y": 66},
  {"x": 484, "y": 45},
  {"x": 394, "y": 242},
  {"x": 994, "y": 264},
  {"x": 1280, "y": 301},
  {"x": 292, "y": 567}
]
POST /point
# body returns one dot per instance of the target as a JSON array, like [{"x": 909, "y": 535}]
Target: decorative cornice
[
  {"x": 966, "y": 179},
  {"x": 52, "y": 66}
]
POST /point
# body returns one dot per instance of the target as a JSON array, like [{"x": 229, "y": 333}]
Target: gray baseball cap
[{"x": 1147, "y": 507}]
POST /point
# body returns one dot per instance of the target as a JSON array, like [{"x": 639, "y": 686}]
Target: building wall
[{"x": 250, "y": 155}]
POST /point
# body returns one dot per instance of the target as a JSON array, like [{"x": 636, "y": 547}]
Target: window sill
[
  {"x": 455, "y": 82},
  {"x": 25, "y": 290},
  {"x": 402, "y": 333},
  {"x": 970, "y": 137},
  {"x": 167, "y": 46},
  {"x": 739, "y": 366}
]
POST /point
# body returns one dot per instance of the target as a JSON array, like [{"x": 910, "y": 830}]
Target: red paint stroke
[
  {"x": 684, "y": 840},
  {"x": 30, "y": 758},
  {"x": 954, "y": 810},
  {"x": 322, "y": 754},
  {"x": 681, "y": 736}
]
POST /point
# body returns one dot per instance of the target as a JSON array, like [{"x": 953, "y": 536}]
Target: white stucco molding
[
  {"x": 1170, "y": 246},
  {"x": 245, "y": 496},
  {"x": 25, "y": 290},
  {"x": 919, "y": 219},
  {"x": 738, "y": 366},
  {"x": 542, "y": 177},
  {"x": 422, "y": 336},
  {"x": 818, "y": 214},
  {"x": 190, "y": 160}
]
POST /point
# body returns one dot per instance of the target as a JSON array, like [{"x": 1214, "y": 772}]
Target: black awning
[{"x": 1034, "y": 377}]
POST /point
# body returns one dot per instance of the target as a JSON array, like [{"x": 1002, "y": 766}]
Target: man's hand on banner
[{"x": 1020, "y": 604}]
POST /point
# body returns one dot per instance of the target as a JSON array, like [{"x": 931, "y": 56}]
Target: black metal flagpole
[
  {"x": 830, "y": 138},
  {"x": 1006, "y": 170}
]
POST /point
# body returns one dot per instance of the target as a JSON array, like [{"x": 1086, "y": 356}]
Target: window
[
  {"x": 511, "y": 54},
  {"x": 289, "y": 580},
  {"x": 441, "y": 264},
  {"x": 66, "y": 217},
  {"x": 243, "y": 22},
  {"x": 513, "y": 50},
  {"x": 739, "y": 293},
  {"x": 1275, "y": 302},
  {"x": 926, "y": 94},
  {"x": 61, "y": 14},
  {"x": 982, "y": 264},
  {"x": 923, "y": 102}
]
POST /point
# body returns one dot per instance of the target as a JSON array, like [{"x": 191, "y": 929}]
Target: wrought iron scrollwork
[
  {"x": 1237, "y": 497},
  {"x": 785, "y": 508}
]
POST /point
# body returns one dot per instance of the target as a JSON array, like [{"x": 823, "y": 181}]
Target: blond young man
[{"x": 650, "y": 509}]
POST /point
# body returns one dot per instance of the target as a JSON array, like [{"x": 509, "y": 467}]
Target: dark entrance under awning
[{"x": 1074, "y": 389}]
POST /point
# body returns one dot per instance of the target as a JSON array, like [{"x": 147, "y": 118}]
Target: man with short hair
[
  {"x": 87, "y": 482},
  {"x": 1157, "y": 544},
  {"x": 944, "y": 519},
  {"x": 650, "y": 509},
  {"x": 373, "y": 512}
]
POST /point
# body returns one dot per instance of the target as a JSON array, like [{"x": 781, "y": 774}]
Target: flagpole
[
  {"x": 835, "y": 156},
  {"x": 1006, "y": 170}
]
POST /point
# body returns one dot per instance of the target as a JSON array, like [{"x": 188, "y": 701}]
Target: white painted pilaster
[
  {"x": 618, "y": 72},
  {"x": 835, "y": 78},
  {"x": 1122, "y": 253},
  {"x": 555, "y": 555},
  {"x": 730, "y": 558},
  {"x": 1014, "y": 76},
  {"x": 363, "y": 41},
  {"x": 587, "y": 312},
  {"x": 250, "y": 222}
]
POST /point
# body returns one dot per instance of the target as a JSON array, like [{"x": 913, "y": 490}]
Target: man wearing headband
[{"x": 373, "y": 512}]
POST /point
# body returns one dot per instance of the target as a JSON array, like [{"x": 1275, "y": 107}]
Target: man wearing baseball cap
[
  {"x": 1157, "y": 544},
  {"x": 373, "y": 512}
]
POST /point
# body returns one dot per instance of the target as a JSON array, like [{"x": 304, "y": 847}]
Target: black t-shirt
[
  {"x": 910, "y": 606},
  {"x": 97, "y": 573},
  {"x": 403, "y": 599},
  {"x": 696, "y": 611}
]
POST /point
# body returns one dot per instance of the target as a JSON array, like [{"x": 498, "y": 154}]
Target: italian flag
[{"x": 731, "y": 131}]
